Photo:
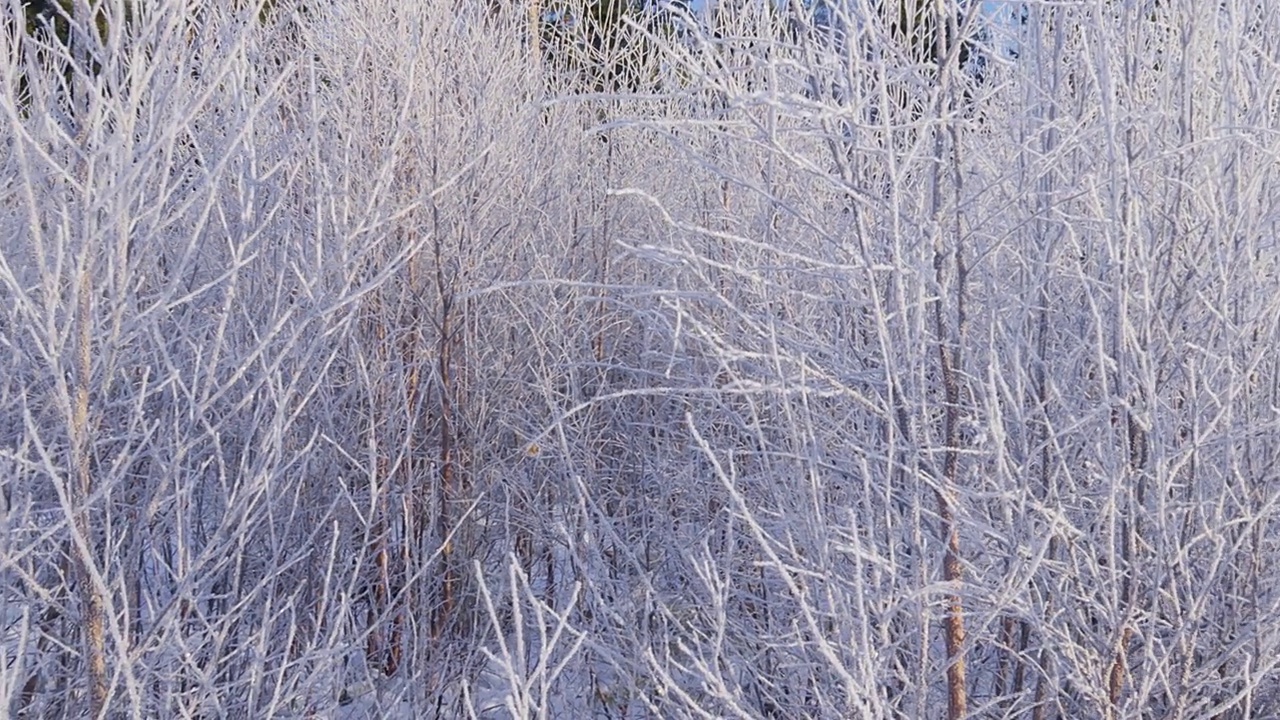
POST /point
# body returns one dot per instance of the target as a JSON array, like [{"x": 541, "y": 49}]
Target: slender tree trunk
[
  {"x": 952, "y": 570},
  {"x": 448, "y": 479},
  {"x": 94, "y": 619},
  {"x": 950, "y": 349},
  {"x": 535, "y": 31}
]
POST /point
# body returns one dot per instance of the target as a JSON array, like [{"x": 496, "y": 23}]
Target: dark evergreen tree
[{"x": 603, "y": 45}]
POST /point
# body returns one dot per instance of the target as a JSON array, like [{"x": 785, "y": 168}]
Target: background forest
[{"x": 450, "y": 359}]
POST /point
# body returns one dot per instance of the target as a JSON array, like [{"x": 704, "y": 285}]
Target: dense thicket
[{"x": 382, "y": 361}]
